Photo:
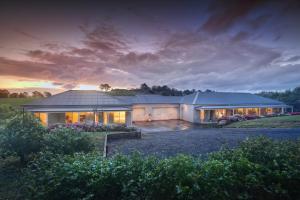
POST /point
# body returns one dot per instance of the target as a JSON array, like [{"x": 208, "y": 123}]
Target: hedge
[{"x": 257, "y": 169}]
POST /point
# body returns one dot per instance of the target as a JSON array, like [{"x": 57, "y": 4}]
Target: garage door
[
  {"x": 138, "y": 114},
  {"x": 165, "y": 113}
]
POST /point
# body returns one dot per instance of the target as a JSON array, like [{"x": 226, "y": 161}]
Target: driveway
[
  {"x": 194, "y": 141},
  {"x": 165, "y": 125}
]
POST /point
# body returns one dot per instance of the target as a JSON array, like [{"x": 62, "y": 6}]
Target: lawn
[
  {"x": 16, "y": 102},
  {"x": 271, "y": 122}
]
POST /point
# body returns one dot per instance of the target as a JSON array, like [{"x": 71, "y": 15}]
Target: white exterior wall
[
  {"x": 148, "y": 112},
  {"x": 187, "y": 112}
]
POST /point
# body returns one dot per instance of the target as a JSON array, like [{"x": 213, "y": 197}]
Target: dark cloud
[
  {"x": 226, "y": 13},
  {"x": 259, "y": 21},
  {"x": 292, "y": 59},
  {"x": 26, "y": 34},
  {"x": 242, "y": 35},
  {"x": 69, "y": 86}
]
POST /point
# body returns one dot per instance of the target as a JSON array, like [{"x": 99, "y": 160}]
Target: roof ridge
[{"x": 196, "y": 97}]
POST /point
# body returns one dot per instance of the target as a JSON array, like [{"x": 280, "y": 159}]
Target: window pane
[{"x": 86, "y": 117}]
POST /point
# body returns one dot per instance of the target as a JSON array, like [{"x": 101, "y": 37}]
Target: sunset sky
[{"x": 219, "y": 45}]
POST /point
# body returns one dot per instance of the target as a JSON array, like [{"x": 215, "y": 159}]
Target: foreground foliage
[
  {"x": 24, "y": 137},
  {"x": 258, "y": 169}
]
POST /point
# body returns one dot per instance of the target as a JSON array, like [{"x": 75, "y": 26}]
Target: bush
[
  {"x": 92, "y": 128},
  {"x": 22, "y": 136},
  {"x": 67, "y": 141},
  {"x": 258, "y": 169}
]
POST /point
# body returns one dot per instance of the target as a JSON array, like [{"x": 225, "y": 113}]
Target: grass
[
  {"x": 16, "y": 102},
  {"x": 271, "y": 122}
]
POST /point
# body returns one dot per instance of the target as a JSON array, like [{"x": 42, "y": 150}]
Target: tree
[
  {"x": 4, "y": 93},
  {"x": 14, "y": 95},
  {"x": 37, "y": 94},
  {"x": 104, "y": 87},
  {"x": 23, "y": 95},
  {"x": 47, "y": 94},
  {"x": 145, "y": 88}
]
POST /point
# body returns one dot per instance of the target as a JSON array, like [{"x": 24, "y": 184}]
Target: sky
[{"x": 219, "y": 45}]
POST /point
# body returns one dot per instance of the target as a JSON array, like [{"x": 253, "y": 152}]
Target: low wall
[{"x": 124, "y": 135}]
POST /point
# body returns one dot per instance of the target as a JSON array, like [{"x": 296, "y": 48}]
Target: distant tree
[
  {"x": 122, "y": 92},
  {"x": 14, "y": 95},
  {"x": 105, "y": 87},
  {"x": 4, "y": 93},
  {"x": 290, "y": 97},
  {"x": 47, "y": 94},
  {"x": 145, "y": 88},
  {"x": 23, "y": 95},
  {"x": 37, "y": 94}
]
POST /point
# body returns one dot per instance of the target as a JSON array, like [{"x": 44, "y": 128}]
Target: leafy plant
[
  {"x": 258, "y": 169},
  {"x": 67, "y": 141},
  {"x": 22, "y": 136}
]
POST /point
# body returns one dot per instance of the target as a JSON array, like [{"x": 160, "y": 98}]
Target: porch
[
  {"x": 211, "y": 114},
  {"x": 85, "y": 117}
]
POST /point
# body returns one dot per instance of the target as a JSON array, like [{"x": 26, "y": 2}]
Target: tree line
[
  {"x": 145, "y": 89},
  {"x": 6, "y": 94},
  {"x": 290, "y": 97}
]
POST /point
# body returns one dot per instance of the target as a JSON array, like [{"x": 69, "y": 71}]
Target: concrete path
[{"x": 194, "y": 141}]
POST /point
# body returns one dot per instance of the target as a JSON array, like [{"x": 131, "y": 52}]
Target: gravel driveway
[{"x": 193, "y": 142}]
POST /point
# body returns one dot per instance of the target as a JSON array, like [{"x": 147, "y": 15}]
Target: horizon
[{"x": 233, "y": 46}]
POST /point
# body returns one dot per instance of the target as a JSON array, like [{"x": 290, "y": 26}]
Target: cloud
[
  {"x": 259, "y": 21},
  {"x": 184, "y": 59},
  {"x": 26, "y": 34},
  {"x": 225, "y": 16},
  {"x": 242, "y": 35},
  {"x": 69, "y": 86},
  {"x": 293, "y": 59}
]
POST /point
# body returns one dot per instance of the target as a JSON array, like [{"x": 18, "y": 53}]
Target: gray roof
[
  {"x": 151, "y": 99},
  {"x": 78, "y": 98},
  {"x": 81, "y": 98},
  {"x": 227, "y": 98}
]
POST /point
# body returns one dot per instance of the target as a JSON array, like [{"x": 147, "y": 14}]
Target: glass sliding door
[
  {"x": 86, "y": 117},
  {"x": 42, "y": 117},
  {"x": 71, "y": 117}
]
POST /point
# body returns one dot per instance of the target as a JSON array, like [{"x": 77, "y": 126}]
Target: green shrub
[
  {"x": 6, "y": 111},
  {"x": 67, "y": 141},
  {"x": 258, "y": 169},
  {"x": 22, "y": 136}
]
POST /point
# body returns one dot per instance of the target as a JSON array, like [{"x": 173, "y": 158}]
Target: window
[
  {"x": 117, "y": 117},
  {"x": 71, "y": 117},
  {"x": 86, "y": 117},
  {"x": 42, "y": 117}
]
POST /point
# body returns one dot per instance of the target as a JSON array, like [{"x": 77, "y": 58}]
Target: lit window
[
  {"x": 42, "y": 117},
  {"x": 71, "y": 117}
]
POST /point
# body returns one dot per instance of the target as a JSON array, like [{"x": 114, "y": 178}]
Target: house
[{"x": 90, "y": 106}]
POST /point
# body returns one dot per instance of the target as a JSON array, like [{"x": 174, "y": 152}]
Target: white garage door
[
  {"x": 165, "y": 113},
  {"x": 138, "y": 114}
]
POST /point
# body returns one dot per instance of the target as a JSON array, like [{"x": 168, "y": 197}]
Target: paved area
[
  {"x": 193, "y": 141},
  {"x": 165, "y": 125}
]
